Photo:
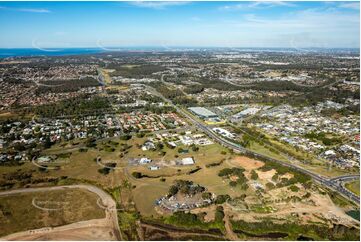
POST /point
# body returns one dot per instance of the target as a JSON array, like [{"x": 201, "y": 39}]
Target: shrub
[
  {"x": 222, "y": 198},
  {"x": 254, "y": 175},
  {"x": 294, "y": 188},
  {"x": 125, "y": 137},
  {"x": 137, "y": 174},
  {"x": 219, "y": 215}
]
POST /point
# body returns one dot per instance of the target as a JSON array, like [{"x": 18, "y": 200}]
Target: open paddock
[{"x": 35, "y": 210}]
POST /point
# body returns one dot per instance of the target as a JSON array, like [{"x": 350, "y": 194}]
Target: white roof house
[
  {"x": 144, "y": 160},
  {"x": 188, "y": 161},
  {"x": 148, "y": 146},
  {"x": 330, "y": 152},
  {"x": 44, "y": 159},
  {"x": 154, "y": 168}
]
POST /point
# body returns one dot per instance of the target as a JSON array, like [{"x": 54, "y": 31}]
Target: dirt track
[
  {"x": 96, "y": 229},
  {"x": 229, "y": 231}
]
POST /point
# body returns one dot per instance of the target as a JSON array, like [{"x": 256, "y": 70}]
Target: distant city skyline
[{"x": 45, "y": 25}]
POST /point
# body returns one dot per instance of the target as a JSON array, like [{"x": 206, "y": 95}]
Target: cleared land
[
  {"x": 85, "y": 230},
  {"x": 246, "y": 163},
  {"x": 19, "y": 212}
]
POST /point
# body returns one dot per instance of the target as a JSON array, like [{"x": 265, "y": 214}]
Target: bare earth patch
[
  {"x": 233, "y": 178},
  {"x": 246, "y": 163},
  {"x": 266, "y": 175},
  {"x": 287, "y": 176},
  {"x": 97, "y": 229}
]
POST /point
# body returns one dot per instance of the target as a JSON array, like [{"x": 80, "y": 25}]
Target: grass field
[
  {"x": 264, "y": 151},
  {"x": 18, "y": 212},
  {"x": 149, "y": 189},
  {"x": 354, "y": 187},
  {"x": 83, "y": 166}
]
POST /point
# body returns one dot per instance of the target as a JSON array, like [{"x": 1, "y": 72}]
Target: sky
[{"x": 188, "y": 24}]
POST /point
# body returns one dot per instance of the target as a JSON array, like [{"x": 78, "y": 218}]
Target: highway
[
  {"x": 347, "y": 178},
  {"x": 332, "y": 183}
]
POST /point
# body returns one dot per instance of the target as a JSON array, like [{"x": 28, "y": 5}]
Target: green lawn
[{"x": 354, "y": 187}]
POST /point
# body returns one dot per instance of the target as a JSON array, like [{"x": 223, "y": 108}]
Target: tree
[
  {"x": 140, "y": 135},
  {"x": 222, "y": 198},
  {"x": 160, "y": 146},
  {"x": 206, "y": 195},
  {"x": 294, "y": 188},
  {"x": 90, "y": 142},
  {"x": 137, "y": 174},
  {"x": 47, "y": 143},
  {"x": 233, "y": 183},
  {"x": 219, "y": 214},
  {"x": 125, "y": 137},
  {"x": 173, "y": 190},
  {"x": 254, "y": 175},
  {"x": 270, "y": 186},
  {"x": 195, "y": 148}
]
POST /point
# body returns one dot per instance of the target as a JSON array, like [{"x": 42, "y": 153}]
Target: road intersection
[{"x": 333, "y": 183}]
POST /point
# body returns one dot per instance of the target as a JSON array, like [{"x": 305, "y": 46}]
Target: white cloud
[
  {"x": 29, "y": 10},
  {"x": 308, "y": 19},
  {"x": 157, "y": 5},
  {"x": 307, "y": 28},
  {"x": 257, "y": 5},
  {"x": 350, "y": 5},
  {"x": 33, "y": 10}
]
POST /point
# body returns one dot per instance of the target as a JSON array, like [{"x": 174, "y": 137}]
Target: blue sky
[{"x": 227, "y": 24}]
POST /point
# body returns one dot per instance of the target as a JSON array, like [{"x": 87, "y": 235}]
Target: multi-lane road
[{"x": 333, "y": 183}]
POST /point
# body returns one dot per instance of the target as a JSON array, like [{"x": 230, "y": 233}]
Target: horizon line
[{"x": 179, "y": 46}]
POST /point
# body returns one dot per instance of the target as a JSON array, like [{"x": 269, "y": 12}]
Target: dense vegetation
[
  {"x": 185, "y": 187},
  {"x": 136, "y": 71},
  {"x": 175, "y": 94},
  {"x": 321, "y": 136},
  {"x": 73, "y": 106},
  {"x": 60, "y": 86},
  {"x": 315, "y": 231},
  {"x": 189, "y": 220},
  {"x": 235, "y": 172}
]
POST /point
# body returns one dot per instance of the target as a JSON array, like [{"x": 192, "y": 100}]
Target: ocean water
[
  {"x": 28, "y": 52},
  {"x": 20, "y": 52}
]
